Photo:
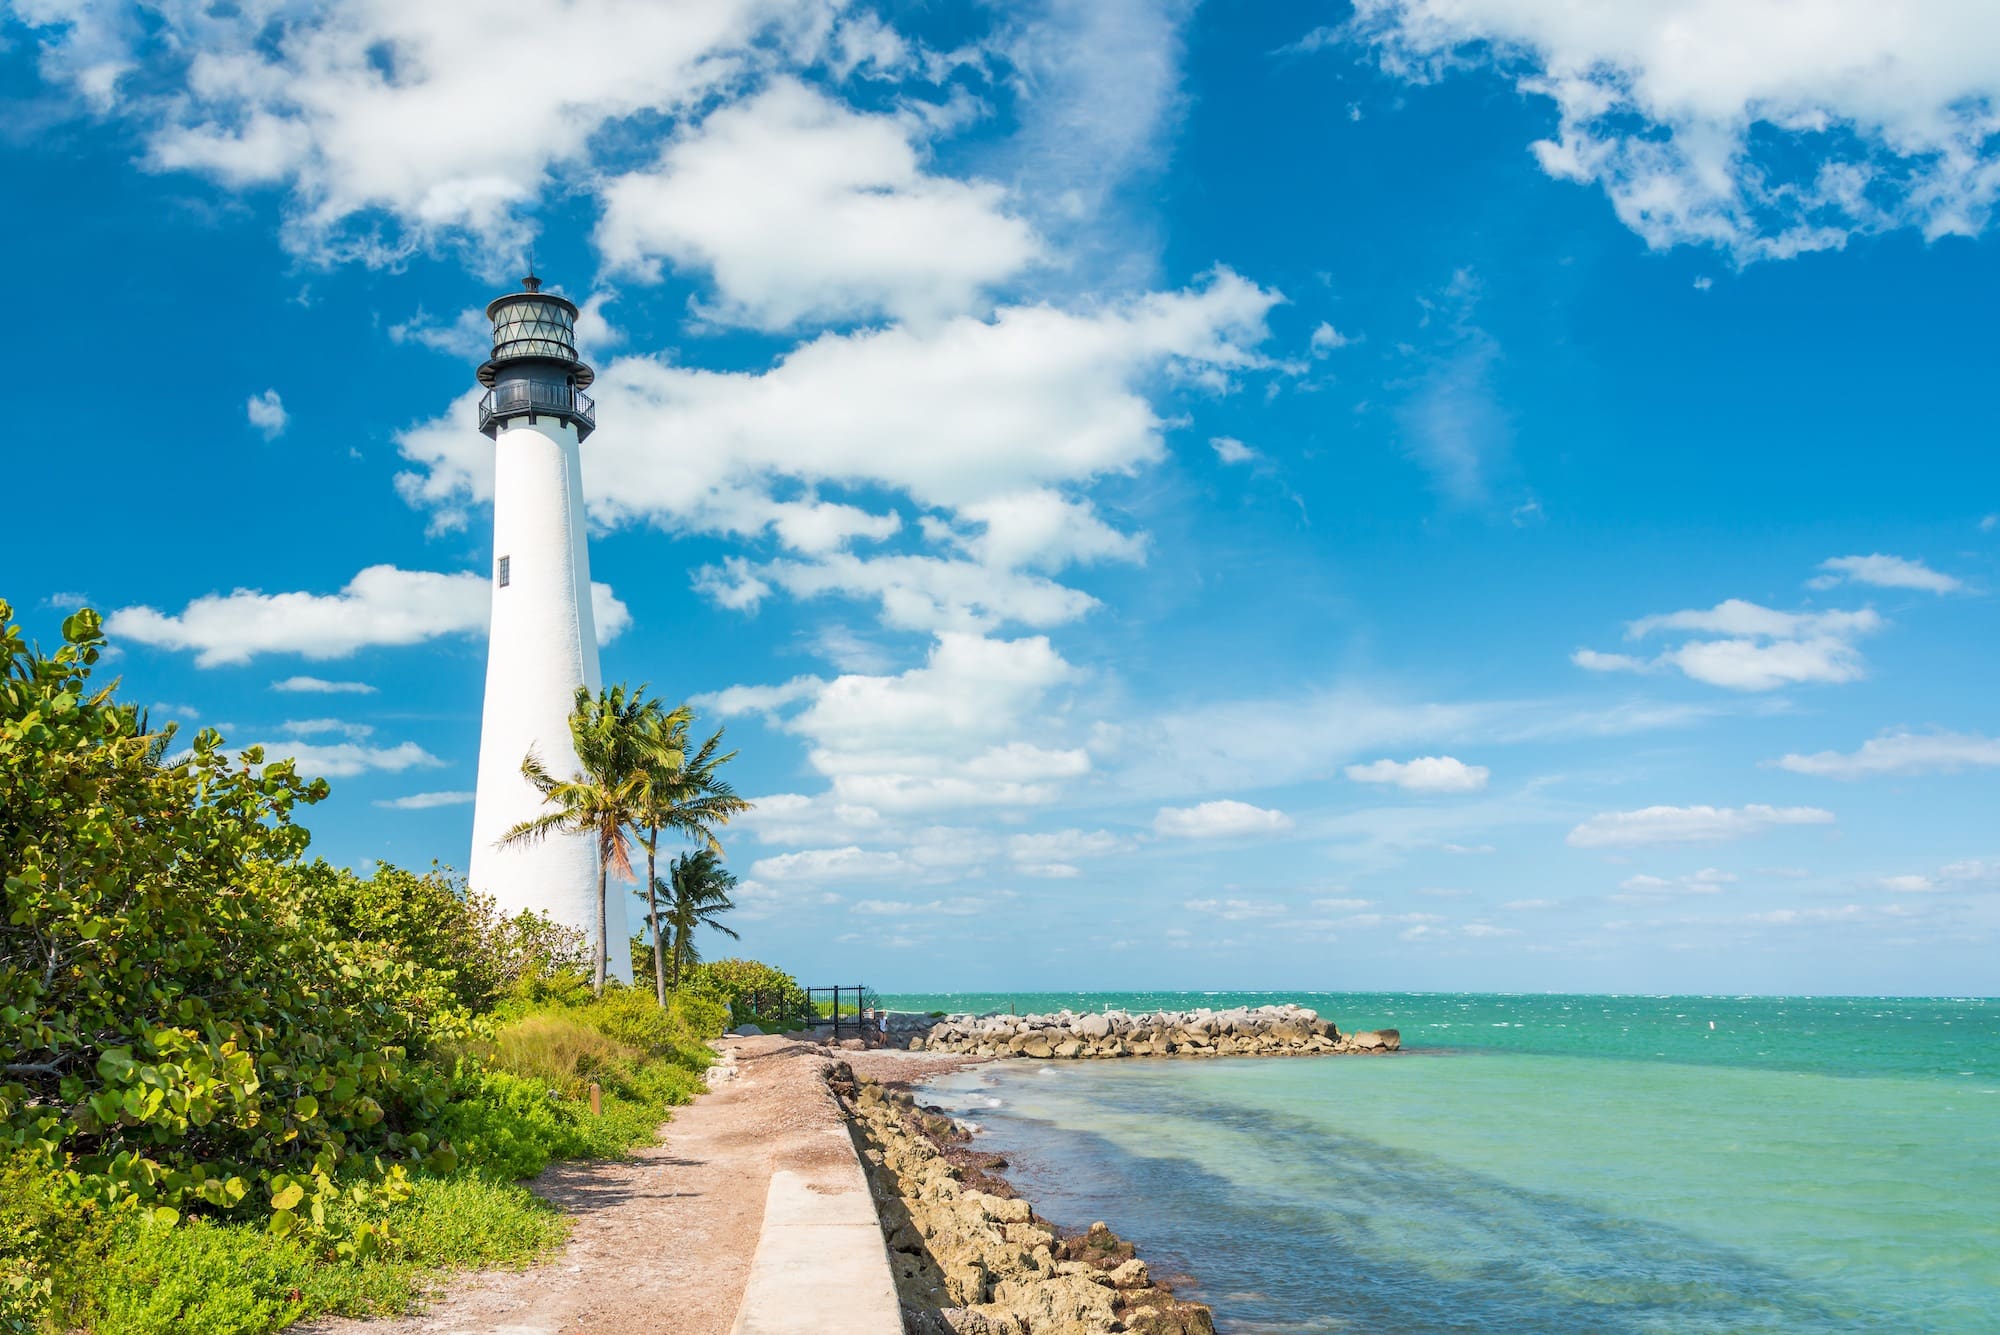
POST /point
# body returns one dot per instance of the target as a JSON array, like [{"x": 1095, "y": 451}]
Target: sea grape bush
[
  {"x": 237, "y": 1087},
  {"x": 173, "y": 1029},
  {"x": 738, "y": 983}
]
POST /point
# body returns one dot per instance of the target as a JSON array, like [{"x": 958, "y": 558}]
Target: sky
[{"x": 1426, "y": 494}]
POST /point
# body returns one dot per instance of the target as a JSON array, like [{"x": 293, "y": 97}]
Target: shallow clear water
[{"x": 1612, "y": 1165}]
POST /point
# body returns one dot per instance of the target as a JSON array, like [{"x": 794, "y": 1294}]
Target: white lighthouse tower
[{"x": 543, "y": 644}]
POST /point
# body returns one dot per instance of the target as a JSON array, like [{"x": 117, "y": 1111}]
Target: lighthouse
[{"x": 542, "y": 644}]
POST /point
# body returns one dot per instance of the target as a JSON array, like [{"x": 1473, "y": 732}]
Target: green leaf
[{"x": 287, "y": 1196}]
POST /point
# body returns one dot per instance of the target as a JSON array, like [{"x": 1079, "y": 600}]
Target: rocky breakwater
[
  {"x": 971, "y": 1258},
  {"x": 1262, "y": 1031}
]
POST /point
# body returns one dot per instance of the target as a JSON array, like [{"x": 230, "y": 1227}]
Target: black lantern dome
[{"x": 535, "y": 371}]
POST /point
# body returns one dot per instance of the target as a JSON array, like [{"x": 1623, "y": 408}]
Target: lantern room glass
[{"x": 534, "y": 327}]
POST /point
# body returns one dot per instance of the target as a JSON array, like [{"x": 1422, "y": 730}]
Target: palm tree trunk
[
  {"x": 603, "y": 890},
  {"x": 653, "y": 913}
]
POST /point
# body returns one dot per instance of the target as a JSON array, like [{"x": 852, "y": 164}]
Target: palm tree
[
  {"x": 682, "y": 794},
  {"x": 700, "y": 887},
  {"x": 614, "y": 749}
]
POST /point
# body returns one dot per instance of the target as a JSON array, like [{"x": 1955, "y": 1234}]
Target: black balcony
[{"x": 537, "y": 398}]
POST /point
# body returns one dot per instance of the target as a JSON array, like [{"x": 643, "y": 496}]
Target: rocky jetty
[
  {"x": 1262, "y": 1031},
  {"x": 971, "y": 1258}
]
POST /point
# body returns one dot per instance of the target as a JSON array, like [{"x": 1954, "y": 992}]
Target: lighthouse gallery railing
[{"x": 519, "y": 397}]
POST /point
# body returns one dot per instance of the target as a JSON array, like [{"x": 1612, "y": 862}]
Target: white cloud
[
  {"x": 767, "y": 700},
  {"x": 804, "y": 209},
  {"x": 1487, "y": 929},
  {"x": 946, "y": 734},
  {"x": 425, "y": 115},
  {"x": 1765, "y": 128},
  {"x": 312, "y": 727},
  {"x": 1053, "y": 855},
  {"x": 339, "y": 760},
  {"x": 1972, "y": 874},
  {"x": 320, "y": 686},
  {"x": 1707, "y": 881},
  {"x": 267, "y": 413},
  {"x": 1467, "y": 850},
  {"x": 1236, "y": 910},
  {"x": 1425, "y": 774},
  {"x": 964, "y": 906},
  {"x": 1900, "y": 753},
  {"x": 826, "y": 864},
  {"x": 1327, "y": 339},
  {"x": 1763, "y": 648},
  {"x": 1219, "y": 820},
  {"x": 382, "y": 605},
  {"x": 992, "y": 421},
  {"x": 426, "y": 801},
  {"x": 1529, "y": 905},
  {"x": 1684, "y": 825},
  {"x": 1884, "y": 572},
  {"x": 1231, "y": 450}
]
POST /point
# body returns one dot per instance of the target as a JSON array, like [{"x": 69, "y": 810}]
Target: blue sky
[{"x": 1472, "y": 495}]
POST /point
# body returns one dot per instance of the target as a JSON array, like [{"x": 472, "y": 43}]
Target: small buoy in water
[{"x": 1711, "y": 1024}]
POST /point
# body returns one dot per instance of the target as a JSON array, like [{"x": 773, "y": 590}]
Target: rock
[
  {"x": 1131, "y": 1275},
  {"x": 1368, "y": 1041},
  {"x": 1092, "y": 1026},
  {"x": 1070, "y": 1048},
  {"x": 1037, "y": 1046},
  {"x": 747, "y": 1031}
]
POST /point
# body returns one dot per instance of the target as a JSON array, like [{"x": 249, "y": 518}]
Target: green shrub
[
  {"x": 506, "y": 1126},
  {"x": 237, "y": 1279},
  {"x": 177, "y": 1030},
  {"x": 50, "y": 1236},
  {"x": 754, "y": 992}
]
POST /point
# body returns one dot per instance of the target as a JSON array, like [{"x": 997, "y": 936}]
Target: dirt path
[{"x": 663, "y": 1241}]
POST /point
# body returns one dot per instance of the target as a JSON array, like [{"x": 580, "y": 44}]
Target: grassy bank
[{"x": 519, "y": 1100}]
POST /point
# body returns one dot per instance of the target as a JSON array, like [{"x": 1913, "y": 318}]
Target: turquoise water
[{"x": 1541, "y": 1163}]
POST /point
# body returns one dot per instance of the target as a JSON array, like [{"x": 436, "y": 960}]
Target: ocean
[{"x": 1536, "y": 1163}]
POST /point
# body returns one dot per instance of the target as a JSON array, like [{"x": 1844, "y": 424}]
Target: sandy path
[{"x": 663, "y": 1241}]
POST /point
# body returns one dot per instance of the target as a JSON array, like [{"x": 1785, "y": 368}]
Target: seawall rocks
[
  {"x": 1262, "y": 1031},
  {"x": 971, "y": 1258}
]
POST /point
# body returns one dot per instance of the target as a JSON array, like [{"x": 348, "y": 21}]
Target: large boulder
[{"x": 1092, "y": 1027}]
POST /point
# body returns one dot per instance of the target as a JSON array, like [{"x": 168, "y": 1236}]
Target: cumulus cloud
[
  {"x": 1707, "y": 881},
  {"x": 321, "y": 686},
  {"x": 417, "y": 115},
  {"x": 1327, "y": 339},
  {"x": 1884, "y": 572},
  {"x": 1764, "y": 128},
  {"x": 1054, "y": 854},
  {"x": 1688, "y": 825},
  {"x": 824, "y": 864},
  {"x": 802, "y": 208},
  {"x": 267, "y": 413},
  {"x": 1231, "y": 450},
  {"x": 1222, "y": 819},
  {"x": 426, "y": 801},
  {"x": 1236, "y": 910},
  {"x": 382, "y": 605},
  {"x": 949, "y": 733},
  {"x": 1755, "y": 648},
  {"x": 994, "y": 422},
  {"x": 1900, "y": 753},
  {"x": 1425, "y": 774},
  {"x": 339, "y": 760}
]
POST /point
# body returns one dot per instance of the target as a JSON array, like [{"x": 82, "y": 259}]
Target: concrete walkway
[
  {"x": 752, "y": 1216},
  {"x": 820, "y": 1264}
]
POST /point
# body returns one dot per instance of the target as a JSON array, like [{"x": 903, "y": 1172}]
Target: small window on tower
[{"x": 505, "y": 571}]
